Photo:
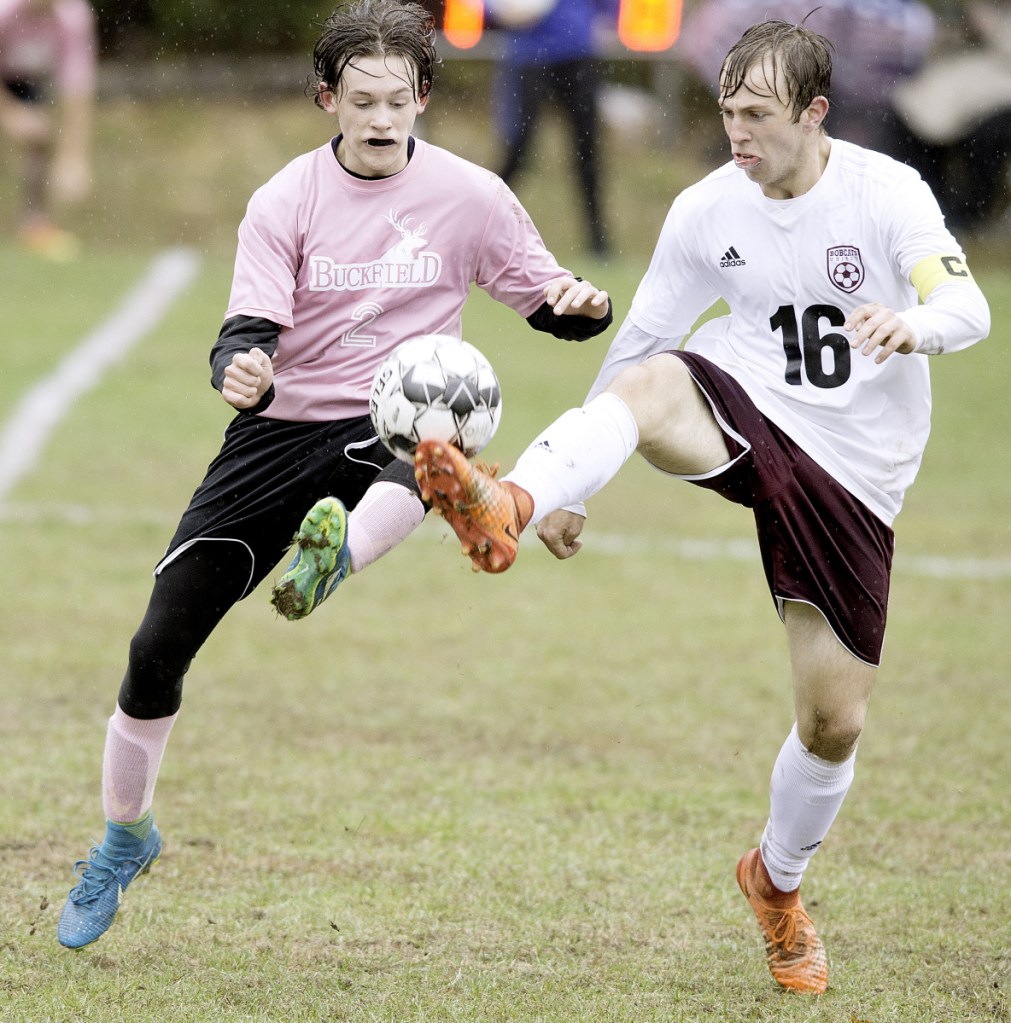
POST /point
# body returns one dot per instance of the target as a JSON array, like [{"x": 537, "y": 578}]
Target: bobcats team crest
[{"x": 845, "y": 268}]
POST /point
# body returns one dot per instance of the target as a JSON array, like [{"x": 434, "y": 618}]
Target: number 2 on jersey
[
  {"x": 808, "y": 350},
  {"x": 357, "y": 337}
]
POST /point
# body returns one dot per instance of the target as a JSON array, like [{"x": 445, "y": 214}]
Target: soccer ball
[{"x": 435, "y": 387}]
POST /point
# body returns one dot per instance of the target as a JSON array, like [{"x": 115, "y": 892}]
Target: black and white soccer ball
[{"x": 435, "y": 387}]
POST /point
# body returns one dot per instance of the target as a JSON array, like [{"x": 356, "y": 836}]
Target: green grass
[{"x": 450, "y": 797}]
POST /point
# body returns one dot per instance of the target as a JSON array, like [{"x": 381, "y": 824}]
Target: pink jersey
[
  {"x": 53, "y": 46},
  {"x": 350, "y": 268}
]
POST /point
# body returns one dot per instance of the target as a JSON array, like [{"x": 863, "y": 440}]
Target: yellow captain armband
[{"x": 935, "y": 270}]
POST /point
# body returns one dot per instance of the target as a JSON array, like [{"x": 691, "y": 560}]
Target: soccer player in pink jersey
[
  {"x": 370, "y": 239},
  {"x": 48, "y": 57},
  {"x": 808, "y": 403}
]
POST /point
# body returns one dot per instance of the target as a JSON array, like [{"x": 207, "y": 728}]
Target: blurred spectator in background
[
  {"x": 958, "y": 111},
  {"x": 877, "y": 44},
  {"x": 548, "y": 49},
  {"x": 48, "y": 65}
]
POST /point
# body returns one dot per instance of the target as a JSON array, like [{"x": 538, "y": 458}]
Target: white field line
[
  {"x": 932, "y": 566},
  {"x": 29, "y": 426},
  {"x": 929, "y": 566},
  {"x": 24, "y": 434}
]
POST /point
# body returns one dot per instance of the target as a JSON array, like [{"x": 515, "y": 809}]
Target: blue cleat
[
  {"x": 322, "y": 561},
  {"x": 105, "y": 875}
]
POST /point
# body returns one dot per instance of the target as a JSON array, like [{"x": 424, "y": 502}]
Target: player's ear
[
  {"x": 423, "y": 102},
  {"x": 327, "y": 98},
  {"x": 814, "y": 116}
]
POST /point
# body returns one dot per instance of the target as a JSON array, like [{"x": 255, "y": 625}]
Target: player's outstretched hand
[
  {"x": 559, "y": 532},
  {"x": 247, "y": 378},
  {"x": 879, "y": 331},
  {"x": 577, "y": 298}
]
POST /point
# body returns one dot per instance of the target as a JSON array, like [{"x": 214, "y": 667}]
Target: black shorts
[
  {"x": 819, "y": 544},
  {"x": 269, "y": 473}
]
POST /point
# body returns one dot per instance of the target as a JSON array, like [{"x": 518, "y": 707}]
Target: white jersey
[
  {"x": 790, "y": 272},
  {"x": 350, "y": 267}
]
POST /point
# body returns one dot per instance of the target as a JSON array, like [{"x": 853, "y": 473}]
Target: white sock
[
  {"x": 577, "y": 454},
  {"x": 805, "y": 795},
  {"x": 133, "y": 752},
  {"x": 385, "y": 516}
]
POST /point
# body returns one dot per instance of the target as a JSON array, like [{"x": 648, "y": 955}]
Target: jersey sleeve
[
  {"x": 631, "y": 346},
  {"x": 671, "y": 297},
  {"x": 953, "y": 312},
  {"x": 513, "y": 263},
  {"x": 266, "y": 261},
  {"x": 954, "y": 315},
  {"x": 676, "y": 290}
]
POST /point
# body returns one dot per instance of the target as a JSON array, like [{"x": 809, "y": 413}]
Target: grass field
[{"x": 450, "y": 797}]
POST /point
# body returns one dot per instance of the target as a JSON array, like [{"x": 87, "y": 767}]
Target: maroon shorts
[{"x": 819, "y": 543}]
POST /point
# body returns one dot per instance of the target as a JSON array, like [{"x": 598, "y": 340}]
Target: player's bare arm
[
  {"x": 879, "y": 331},
  {"x": 576, "y": 298},
  {"x": 559, "y": 532},
  {"x": 247, "y": 378}
]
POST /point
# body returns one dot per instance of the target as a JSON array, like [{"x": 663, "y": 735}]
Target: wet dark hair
[
  {"x": 375, "y": 28},
  {"x": 803, "y": 57}
]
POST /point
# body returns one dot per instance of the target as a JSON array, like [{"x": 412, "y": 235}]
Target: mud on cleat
[{"x": 322, "y": 561}]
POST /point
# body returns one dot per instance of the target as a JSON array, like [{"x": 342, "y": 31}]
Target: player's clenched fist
[
  {"x": 247, "y": 378},
  {"x": 559, "y": 532}
]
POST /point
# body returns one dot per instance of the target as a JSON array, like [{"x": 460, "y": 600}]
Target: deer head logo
[{"x": 412, "y": 240}]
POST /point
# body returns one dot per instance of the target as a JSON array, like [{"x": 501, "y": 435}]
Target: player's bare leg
[
  {"x": 831, "y": 688},
  {"x": 677, "y": 431}
]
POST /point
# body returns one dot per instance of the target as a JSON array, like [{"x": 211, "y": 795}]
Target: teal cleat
[
  {"x": 105, "y": 875},
  {"x": 322, "y": 561}
]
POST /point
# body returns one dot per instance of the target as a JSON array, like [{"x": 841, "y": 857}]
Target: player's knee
[
  {"x": 153, "y": 683},
  {"x": 632, "y": 385},
  {"x": 651, "y": 391},
  {"x": 831, "y": 735},
  {"x": 678, "y": 432}
]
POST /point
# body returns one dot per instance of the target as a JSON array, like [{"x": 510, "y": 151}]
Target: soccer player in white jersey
[
  {"x": 808, "y": 403},
  {"x": 370, "y": 239}
]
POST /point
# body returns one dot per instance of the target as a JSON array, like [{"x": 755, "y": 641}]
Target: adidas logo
[{"x": 732, "y": 258}]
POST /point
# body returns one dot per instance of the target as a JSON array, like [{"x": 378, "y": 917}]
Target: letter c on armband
[{"x": 935, "y": 270}]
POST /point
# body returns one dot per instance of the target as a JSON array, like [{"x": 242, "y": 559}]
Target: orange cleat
[
  {"x": 793, "y": 950},
  {"x": 481, "y": 511}
]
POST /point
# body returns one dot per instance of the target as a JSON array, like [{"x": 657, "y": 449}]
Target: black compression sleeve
[
  {"x": 243, "y": 334},
  {"x": 569, "y": 328}
]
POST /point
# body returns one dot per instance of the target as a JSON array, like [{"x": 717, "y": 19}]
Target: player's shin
[
  {"x": 384, "y": 518},
  {"x": 576, "y": 455},
  {"x": 805, "y": 794},
  {"x": 132, "y": 759}
]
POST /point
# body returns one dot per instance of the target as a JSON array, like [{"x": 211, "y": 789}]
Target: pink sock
[
  {"x": 133, "y": 752},
  {"x": 385, "y": 516}
]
